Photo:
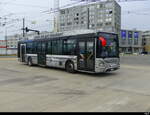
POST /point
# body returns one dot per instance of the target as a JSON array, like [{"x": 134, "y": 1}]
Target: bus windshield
[{"x": 108, "y": 47}]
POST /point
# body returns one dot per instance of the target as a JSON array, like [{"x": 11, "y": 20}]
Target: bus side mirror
[{"x": 103, "y": 41}]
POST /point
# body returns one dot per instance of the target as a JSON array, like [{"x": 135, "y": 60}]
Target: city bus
[{"x": 96, "y": 52}]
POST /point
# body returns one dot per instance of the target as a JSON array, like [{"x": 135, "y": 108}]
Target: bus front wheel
[{"x": 70, "y": 67}]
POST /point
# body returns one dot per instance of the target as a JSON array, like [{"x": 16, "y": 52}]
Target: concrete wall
[
  {"x": 2, "y": 51},
  {"x": 9, "y": 51}
]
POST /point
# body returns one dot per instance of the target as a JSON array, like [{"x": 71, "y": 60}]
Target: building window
[
  {"x": 93, "y": 25},
  {"x": 108, "y": 5},
  {"x": 130, "y": 37},
  {"x": 100, "y": 20},
  {"x": 69, "y": 23},
  {"x": 101, "y": 5},
  {"x": 77, "y": 23},
  {"x": 123, "y": 36},
  {"x": 92, "y": 7},
  {"x": 76, "y": 18},
  {"x": 100, "y": 24},
  {"x": 82, "y": 22},
  {"x": 108, "y": 19},
  {"x": 108, "y": 23},
  {"x": 82, "y": 18},
  {"x": 62, "y": 24},
  {"x": 98, "y": 6},
  {"x": 62, "y": 11},
  {"x": 136, "y": 37}
]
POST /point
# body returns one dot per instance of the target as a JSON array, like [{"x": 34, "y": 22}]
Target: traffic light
[{"x": 26, "y": 29}]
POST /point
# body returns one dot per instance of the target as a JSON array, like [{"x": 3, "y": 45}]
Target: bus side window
[
  {"x": 64, "y": 47},
  {"x": 43, "y": 47},
  {"x": 34, "y": 48},
  {"x": 29, "y": 48},
  {"x": 60, "y": 47},
  {"x": 54, "y": 47},
  {"x": 49, "y": 47},
  {"x": 39, "y": 47},
  {"x": 69, "y": 47}
]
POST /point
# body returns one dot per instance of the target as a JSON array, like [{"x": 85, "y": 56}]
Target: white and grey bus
[{"x": 90, "y": 52}]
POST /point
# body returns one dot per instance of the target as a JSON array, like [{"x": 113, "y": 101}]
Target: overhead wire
[
  {"x": 67, "y": 5},
  {"x": 24, "y": 5}
]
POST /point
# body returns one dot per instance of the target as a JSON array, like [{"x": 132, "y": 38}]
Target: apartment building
[{"x": 103, "y": 16}]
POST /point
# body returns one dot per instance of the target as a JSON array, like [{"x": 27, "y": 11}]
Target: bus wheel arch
[
  {"x": 30, "y": 63},
  {"x": 69, "y": 66}
]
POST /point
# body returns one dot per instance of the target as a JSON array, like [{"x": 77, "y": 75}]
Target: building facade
[
  {"x": 131, "y": 41},
  {"x": 102, "y": 16},
  {"x": 2, "y": 47},
  {"x": 146, "y": 41},
  {"x": 9, "y": 46},
  {"x": 12, "y": 42}
]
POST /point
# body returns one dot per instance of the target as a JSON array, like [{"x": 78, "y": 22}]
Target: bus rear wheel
[
  {"x": 70, "y": 67},
  {"x": 30, "y": 61}
]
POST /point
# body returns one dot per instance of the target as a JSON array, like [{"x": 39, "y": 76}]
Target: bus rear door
[{"x": 22, "y": 52}]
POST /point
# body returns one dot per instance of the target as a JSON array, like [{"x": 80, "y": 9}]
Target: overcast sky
[{"x": 134, "y": 14}]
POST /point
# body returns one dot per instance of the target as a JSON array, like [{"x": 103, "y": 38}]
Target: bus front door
[
  {"x": 86, "y": 55},
  {"x": 42, "y": 53},
  {"x": 22, "y": 52}
]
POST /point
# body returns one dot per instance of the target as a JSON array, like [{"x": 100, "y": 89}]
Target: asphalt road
[{"x": 37, "y": 89}]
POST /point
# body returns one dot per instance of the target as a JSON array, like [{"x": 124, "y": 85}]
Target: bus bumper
[
  {"x": 107, "y": 69},
  {"x": 112, "y": 68},
  {"x": 102, "y": 66}
]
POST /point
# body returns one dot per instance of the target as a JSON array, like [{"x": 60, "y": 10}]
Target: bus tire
[
  {"x": 70, "y": 67},
  {"x": 30, "y": 61}
]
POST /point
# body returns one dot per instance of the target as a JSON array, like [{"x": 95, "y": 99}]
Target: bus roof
[{"x": 64, "y": 34}]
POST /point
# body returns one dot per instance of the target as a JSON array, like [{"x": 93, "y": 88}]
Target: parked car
[{"x": 144, "y": 53}]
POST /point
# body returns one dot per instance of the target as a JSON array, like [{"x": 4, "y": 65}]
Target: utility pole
[
  {"x": 23, "y": 27},
  {"x": 6, "y": 39},
  {"x": 56, "y": 16},
  {"x": 5, "y": 34}
]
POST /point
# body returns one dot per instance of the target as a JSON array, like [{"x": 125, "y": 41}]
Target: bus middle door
[
  {"x": 86, "y": 55},
  {"x": 42, "y": 53}
]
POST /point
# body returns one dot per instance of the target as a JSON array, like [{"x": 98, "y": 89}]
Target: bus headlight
[{"x": 101, "y": 63}]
